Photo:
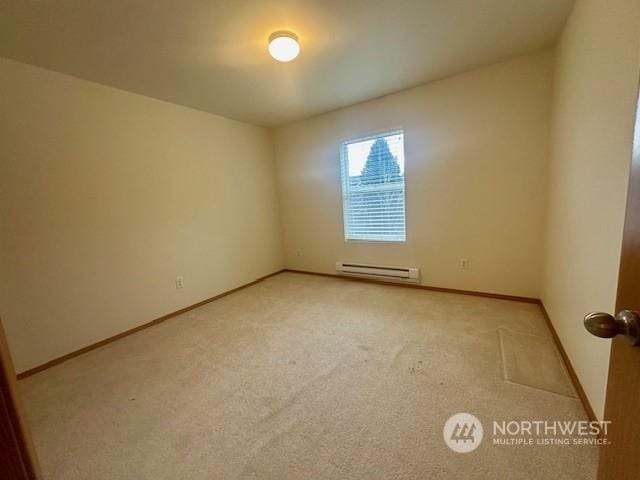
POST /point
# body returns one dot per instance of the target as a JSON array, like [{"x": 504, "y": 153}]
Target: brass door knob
[{"x": 626, "y": 323}]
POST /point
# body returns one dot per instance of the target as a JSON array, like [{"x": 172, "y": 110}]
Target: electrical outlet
[
  {"x": 179, "y": 283},
  {"x": 464, "y": 263},
  {"x": 299, "y": 252}
]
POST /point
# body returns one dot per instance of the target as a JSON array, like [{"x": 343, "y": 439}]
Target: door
[
  {"x": 621, "y": 459},
  {"x": 17, "y": 456}
]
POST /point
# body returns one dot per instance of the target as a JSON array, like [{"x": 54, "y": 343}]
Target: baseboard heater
[{"x": 379, "y": 272}]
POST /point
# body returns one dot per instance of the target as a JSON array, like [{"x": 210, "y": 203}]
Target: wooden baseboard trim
[
  {"x": 93, "y": 346},
  {"x": 567, "y": 363},
  {"x": 498, "y": 296}
]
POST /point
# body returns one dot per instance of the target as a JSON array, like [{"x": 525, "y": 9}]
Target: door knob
[{"x": 626, "y": 323}]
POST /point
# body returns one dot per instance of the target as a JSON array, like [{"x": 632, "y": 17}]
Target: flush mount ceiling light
[{"x": 284, "y": 46}]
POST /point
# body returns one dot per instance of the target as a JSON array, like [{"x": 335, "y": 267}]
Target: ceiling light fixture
[{"x": 284, "y": 46}]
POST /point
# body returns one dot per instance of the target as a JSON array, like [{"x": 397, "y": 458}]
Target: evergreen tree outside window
[{"x": 373, "y": 188}]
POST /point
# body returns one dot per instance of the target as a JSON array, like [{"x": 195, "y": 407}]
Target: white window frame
[{"x": 344, "y": 175}]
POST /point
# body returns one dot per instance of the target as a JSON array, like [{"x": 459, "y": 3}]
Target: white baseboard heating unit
[{"x": 379, "y": 272}]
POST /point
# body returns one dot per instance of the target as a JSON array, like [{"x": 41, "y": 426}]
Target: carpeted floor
[{"x": 306, "y": 377}]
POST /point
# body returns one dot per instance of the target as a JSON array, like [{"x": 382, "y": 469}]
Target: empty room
[{"x": 319, "y": 239}]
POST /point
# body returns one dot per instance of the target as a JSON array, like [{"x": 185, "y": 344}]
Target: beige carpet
[
  {"x": 302, "y": 377},
  {"x": 533, "y": 360}
]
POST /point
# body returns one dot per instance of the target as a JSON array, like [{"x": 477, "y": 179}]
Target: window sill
[{"x": 384, "y": 242}]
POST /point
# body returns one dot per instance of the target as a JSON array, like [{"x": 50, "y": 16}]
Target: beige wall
[
  {"x": 475, "y": 157},
  {"x": 593, "y": 111},
  {"x": 107, "y": 196}
]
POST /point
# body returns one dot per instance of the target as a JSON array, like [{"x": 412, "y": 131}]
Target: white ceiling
[{"x": 212, "y": 55}]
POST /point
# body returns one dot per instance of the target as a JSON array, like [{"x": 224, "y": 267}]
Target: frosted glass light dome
[{"x": 284, "y": 46}]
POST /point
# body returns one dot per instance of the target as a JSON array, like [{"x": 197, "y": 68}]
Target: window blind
[{"x": 373, "y": 188}]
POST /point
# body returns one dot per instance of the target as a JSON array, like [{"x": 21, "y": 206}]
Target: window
[{"x": 373, "y": 188}]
